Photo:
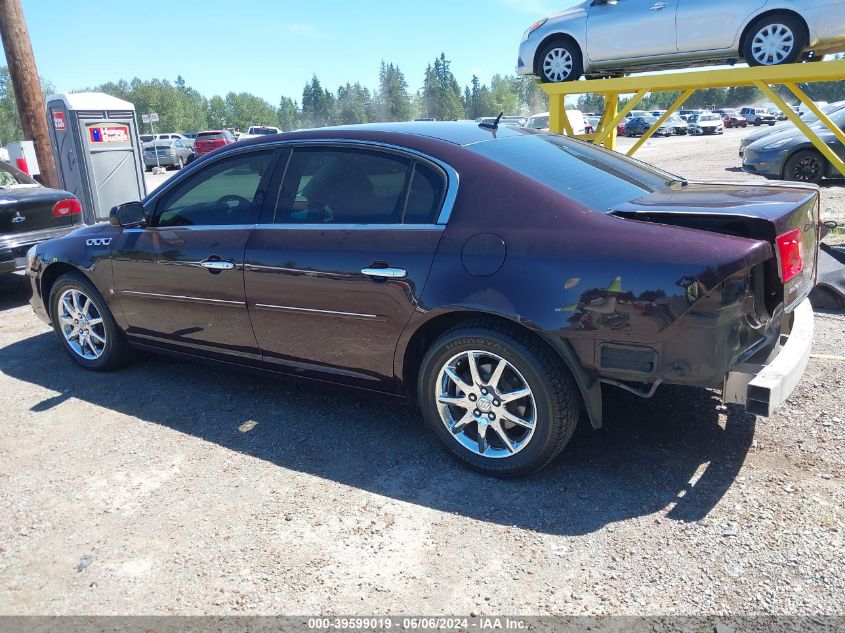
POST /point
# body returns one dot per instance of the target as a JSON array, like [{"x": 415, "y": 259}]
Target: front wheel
[
  {"x": 84, "y": 324},
  {"x": 805, "y": 166},
  {"x": 560, "y": 61},
  {"x": 497, "y": 398},
  {"x": 774, "y": 40}
]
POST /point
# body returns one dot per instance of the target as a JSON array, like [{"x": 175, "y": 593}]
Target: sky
[{"x": 272, "y": 47}]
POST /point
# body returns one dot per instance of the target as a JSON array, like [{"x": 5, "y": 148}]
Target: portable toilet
[{"x": 97, "y": 150}]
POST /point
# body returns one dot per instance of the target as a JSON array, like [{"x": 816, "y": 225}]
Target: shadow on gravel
[
  {"x": 642, "y": 461},
  {"x": 12, "y": 291}
]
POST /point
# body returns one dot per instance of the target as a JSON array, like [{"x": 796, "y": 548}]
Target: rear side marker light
[
  {"x": 66, "y": 207},
  {"x": 791, "y": 252}
]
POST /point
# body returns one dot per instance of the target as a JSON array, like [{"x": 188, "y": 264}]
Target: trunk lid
[
  {"x": 27, "y": 208},
  {"x": 751, "y": 210}
]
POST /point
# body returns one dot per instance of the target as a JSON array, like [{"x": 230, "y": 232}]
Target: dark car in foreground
[
  {"x": 789, "y": 155},
  {"x": 29, "y": 214},
  {"x": 500, "y": 278}
]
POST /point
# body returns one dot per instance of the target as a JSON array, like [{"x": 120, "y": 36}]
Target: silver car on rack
[{"x": 599, "y": 38}]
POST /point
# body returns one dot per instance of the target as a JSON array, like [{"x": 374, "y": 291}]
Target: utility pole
[{"x": 27, "y": 84}]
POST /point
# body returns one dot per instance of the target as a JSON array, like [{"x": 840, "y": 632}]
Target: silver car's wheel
[
  {"x": 82, "y": 324},
  {"x": 558, "y": 65},
  {"x": 775, "y": 39},
  {"x": 772, "y": 44},
  {"x": 486, "y": 404}
]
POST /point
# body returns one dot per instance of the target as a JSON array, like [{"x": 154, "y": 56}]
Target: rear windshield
[
  {"x": 263, "y": 130},
  {"x": 11, "y": 177},
  {"x": 592, "y": 176},
  {"x": 209, "y": 136}
]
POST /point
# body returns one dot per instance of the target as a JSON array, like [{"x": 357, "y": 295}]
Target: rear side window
[
  {"x": 225, "y": 192},
  {"x": 342, "y": 186},
  {"x": 425, "y": 197},
  {"x": 594, "y": 177}
]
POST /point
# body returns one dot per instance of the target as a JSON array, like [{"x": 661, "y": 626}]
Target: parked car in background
[
  {"x": 258, "y": 130},
  {"x": 146, "y": 138},
  {"x": 678, "y": 125},
  {"x": 601, "y": 37},
  {"x": 808, "y": 118},
  {"x": 641, "y": 124},
  {"x": 758, "y": 116},
  {"x": 175, "y": 153},
  {"x": 732, "y": 118},
  {"x": 646, "y": 279},
  {"x": 620, "y": 127},
  {"x": 515, "y": 120},
  {"x": 789, "y": 155},
  {"x": 593, "y": 123},
  {"x": 706, "y": 123},
  {"x": 541, "y": 121},
  {"x": 211, "y": 140},
  {"x": 30, "y": 214},
  {"x": 686, "y": 114}
]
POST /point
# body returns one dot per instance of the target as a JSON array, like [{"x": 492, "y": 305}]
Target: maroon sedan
[{"x": 500, "y": 278}]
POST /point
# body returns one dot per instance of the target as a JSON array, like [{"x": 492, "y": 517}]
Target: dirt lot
[{"x": 170, "y": 488}]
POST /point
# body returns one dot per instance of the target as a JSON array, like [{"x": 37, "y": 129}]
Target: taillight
[
  {"x": 791, "y": 252},
  {"x": 66, "y": 207}
]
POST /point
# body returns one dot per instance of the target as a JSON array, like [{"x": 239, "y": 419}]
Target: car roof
[{"x": 455, "y": 132}]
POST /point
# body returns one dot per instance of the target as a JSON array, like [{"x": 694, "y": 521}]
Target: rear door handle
[
  {"x": 217, "y": 264},
  {"x": 386, "y": 273},
  {"x": 659, "y": 6}
]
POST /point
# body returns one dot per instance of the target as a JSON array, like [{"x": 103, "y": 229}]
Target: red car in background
[
  {"x": 732, "y": 118},
  {"x": 211, "y": 140}
]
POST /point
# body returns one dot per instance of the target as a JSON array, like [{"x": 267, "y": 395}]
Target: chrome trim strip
[
  {"x": 156, "y": 295},
  {"x": 353, "y": 227},
  {"x": 452, "y": 177},
  {"x": 265, "y": 306},
  {"x": 205, "y": 227}
]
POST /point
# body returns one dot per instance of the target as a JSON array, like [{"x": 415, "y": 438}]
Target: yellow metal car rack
[{"x": 763, "y": 77}]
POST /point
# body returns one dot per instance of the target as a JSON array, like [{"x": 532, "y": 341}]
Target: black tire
[
  {"x": 115, "y": 351},
  {"x": 758, "y": 122},
  {"x": 179, "y": 164},
  {"x": 556, "y": 398},
  {"x": 806, "y": 165},
  {"x": 824, "y": 298},
  {"x": 790, "y": 22},
  {"x": 566, "y": 47}
]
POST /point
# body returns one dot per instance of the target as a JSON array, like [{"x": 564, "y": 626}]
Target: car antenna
[{"x": 494, "y": 125}]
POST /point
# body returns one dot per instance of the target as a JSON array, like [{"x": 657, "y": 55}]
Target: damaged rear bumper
[{"x": 764, "y": 385}]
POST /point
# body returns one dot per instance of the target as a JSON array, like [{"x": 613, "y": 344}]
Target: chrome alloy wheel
[
  {"x": 558, "y": 64},
  {"x": 772, "y": 44},
  {"x": 82, "y": 324},
  {"x": 486, "y": 404}
]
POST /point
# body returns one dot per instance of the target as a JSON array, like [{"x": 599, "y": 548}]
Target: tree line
[{"x": 183, "y": 108}]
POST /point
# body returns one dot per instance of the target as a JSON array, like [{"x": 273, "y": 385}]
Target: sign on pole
[{"x": 152, "y": 117}]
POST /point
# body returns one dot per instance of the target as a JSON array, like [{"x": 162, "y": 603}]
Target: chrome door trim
[
  {"x": 452, "y": 177},
  {"x": 156, "y": 295},
  {"x": 352, "y": 227},
  {"x": 358, "y": 315}
]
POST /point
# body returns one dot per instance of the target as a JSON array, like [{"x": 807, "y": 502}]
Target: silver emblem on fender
[
  {"x": 18, "y": 218},
  {"x": 99, "y": 241}
]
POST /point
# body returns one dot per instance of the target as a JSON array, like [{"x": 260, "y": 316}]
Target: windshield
[
  {"x": 674, "y": 119},
  {"x": 592, "y": 176},
  {"x": 709, "y": 117}
]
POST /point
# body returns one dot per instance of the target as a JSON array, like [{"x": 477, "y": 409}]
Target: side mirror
[{"x": 128, "y": 215}]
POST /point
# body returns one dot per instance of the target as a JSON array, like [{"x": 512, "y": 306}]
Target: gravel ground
[{"x": 173, "y": 488}]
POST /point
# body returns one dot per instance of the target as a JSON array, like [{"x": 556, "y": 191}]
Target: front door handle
[
  {"x": 659, "y": 6},
  {"x": 215, "y": 265},
  {"x": 386, "y": 273}
]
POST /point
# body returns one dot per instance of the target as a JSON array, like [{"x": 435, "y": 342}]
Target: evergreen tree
[
  {"x": 393, "y": 102},
  {"x": 441, "y": 93}
]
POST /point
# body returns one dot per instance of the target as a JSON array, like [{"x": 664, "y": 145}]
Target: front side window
[
  {"x": 225, "y": 192},
  {"x": 343, "y": 186}
]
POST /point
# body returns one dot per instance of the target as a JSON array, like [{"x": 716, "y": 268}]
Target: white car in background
[
  {"x": 258, "y": 130},
  {"x": 541, "y": 121},
  {"x": 610, "y": 37}
]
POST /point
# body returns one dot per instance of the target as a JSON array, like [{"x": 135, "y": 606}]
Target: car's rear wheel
[
  {"x": 774, "y": 40},
  {"x": 497, "y": 398},
  {"x": 84, "y": 324},
  {"x": 560, "y": 61},
  {"x": 805, "y": 166}
]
